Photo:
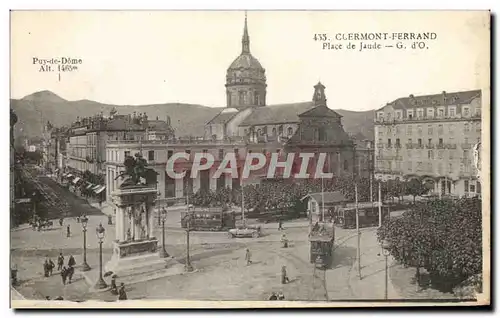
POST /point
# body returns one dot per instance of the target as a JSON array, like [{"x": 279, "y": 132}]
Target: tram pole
[
  {"x": 379, "y": 205},
  {"x": 358, "y": 231}
]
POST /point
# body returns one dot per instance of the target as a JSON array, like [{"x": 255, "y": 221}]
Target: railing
[
  {"x": 429, "y": 146},
  {"x": 425, "y": 118},
  {"x": 227, "y": 141}
]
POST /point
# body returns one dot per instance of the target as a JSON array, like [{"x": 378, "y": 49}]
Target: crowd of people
[{"x": 66, "y": 272}]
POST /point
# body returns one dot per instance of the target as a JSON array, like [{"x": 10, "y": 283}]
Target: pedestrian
[
  {"x": 77, "y": 219},
  {"x": 281, "y": 296},
  {"x": 71, "y": 261},
  {"x": 61, "y": 221},
  {"x": 60, "y": 261},
  {"x": 64, "y": 275},
  {"x": 69, "y": 274},
  {"x": 68, "y": 231},
  {"x": 284, "y": 241},
  {"x": 51, "y": 267},
  {"x": 284, "y": 276},
  {"x": 248, "y": 257},
  {"x": 280, "y": 225},
  {"x": 114, "y": 288},
  {"x": 110, "y": 220},
  {"x": 46, "y": 268},
  {"x": 273, "y": 296},
  {"x": 122, "y": 295}
]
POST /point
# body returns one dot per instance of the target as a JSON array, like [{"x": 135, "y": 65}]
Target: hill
[{"x": 36, "y": 109}]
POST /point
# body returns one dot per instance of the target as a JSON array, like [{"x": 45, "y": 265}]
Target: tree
[
  {"x": 442, "y": 236},
  {"x": 415, "y": 187}
]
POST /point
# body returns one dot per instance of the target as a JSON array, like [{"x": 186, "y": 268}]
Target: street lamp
[
  {"x": 386, "y": 245},
  {"x": 100, "y": 232},
  {"x": 163, "y": 251},
  {"x": 84, "y": 220},
  {"x": 189, "y": 267}
]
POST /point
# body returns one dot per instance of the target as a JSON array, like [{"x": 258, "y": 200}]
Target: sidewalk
[{"x": 342, "y": 281}]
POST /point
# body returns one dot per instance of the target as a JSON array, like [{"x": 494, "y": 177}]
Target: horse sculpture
[{"x": 136, "y": 172}]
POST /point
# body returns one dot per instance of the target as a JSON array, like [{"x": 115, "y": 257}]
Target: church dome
[
  {"x": 246, "y": 61},
  {"x": 245, "y": 78}
]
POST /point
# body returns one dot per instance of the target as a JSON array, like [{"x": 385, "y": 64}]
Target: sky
[{"x": 150, "y": 57}]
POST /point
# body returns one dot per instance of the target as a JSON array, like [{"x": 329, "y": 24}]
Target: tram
[
  {"x": 345, "y": 216},
  {"x": 208, "y": 219}
]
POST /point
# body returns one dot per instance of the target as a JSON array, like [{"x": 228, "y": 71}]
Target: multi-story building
[
  {"x": 430, "y": 137},
  {"x": 86, "y": 149}
]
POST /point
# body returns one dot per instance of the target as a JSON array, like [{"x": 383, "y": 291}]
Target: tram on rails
[{"x": 208, "y": 219}]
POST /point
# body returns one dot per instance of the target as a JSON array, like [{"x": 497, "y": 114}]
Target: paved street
[{"x": 221, "y": 272}]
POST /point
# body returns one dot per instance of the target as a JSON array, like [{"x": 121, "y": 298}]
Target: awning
[
  {"x": 100, "y": 189},
  {"x": 56, "y": 170},
  {"x": 76, "y": 180},
  {"x": 69, "y": 175},
  {"x": 90, "y": 185},
  {"x": 96, "y": 187}
]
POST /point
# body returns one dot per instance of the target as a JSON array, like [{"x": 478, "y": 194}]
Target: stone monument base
[{"x": 138, "y": 261}]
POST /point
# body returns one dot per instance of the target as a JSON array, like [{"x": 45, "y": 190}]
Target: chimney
[{"x": 444, "y": 97}]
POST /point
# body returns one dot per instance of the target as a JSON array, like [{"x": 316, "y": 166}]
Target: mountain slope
[{"x": 36, "y": 109}]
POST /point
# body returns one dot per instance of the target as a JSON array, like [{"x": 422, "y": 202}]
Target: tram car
[
  {"x": 321, "y": 239},
  {"x": 208, "y": 219},
  {"x": 345, "y": 216}
]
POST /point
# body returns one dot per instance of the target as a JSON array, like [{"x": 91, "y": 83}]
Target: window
[
  {"x": 419, "y": 127},
  {"x": 290, "y": 131},
  {"x": 466, "y": 127},
  {"x": 420, "y": 113},
  {"x": 409, "y": 166},
  {"x": 451, "y": 128},
  {"x": 204, "y": 150},
  {"x": 478, "y": 111},
  {"x": 409, "y": 113},
  {"x": 440, "y": 154},
  {"x": 346, "y": 165},
  {"x": 397, "y": 130},
  {"x": 127, "y": 154},
  {"x": 472, "y": 188},
  {"x": 170, "y": 153},
  {"x": 441, "y": 112},
  {"x": 409, "y": 141},
  {"x": 389, "y": 143},
  {"x": 420, "y": 142},
  {"x": 398, "y": 115},
  {"x": 440, "y": 167},
  {"x": 274, "y": 131},
  {"x": 398, "y": 144},
  {"x": 430, "y": 141},
  {"x": 236, "y": 152},
  {"x": 466, "y": 111},
  {"x": 466, "y": 140},
  {"x": 430, "y": 154},
  {"x": 408, "y": 130},
  {"x": 466, "y": 185},
  {"x": 450, "y": 168},
  {"x": 321, "y": 134},
  {"x": 441, "y": 141},
  {"x": 478, "y": 126},
  {"x": 221, "y": 154},
  {"x": 452, "y": 112},
  {"x": 451, "y": 155},
  {"x": 478, "y": 187},
  {"x": 151, "y": 155},
  {"x": 188, "y": 151},
  {"x": 280, "y": 130},
  {"x": 429, "y": 129},
  {"x": 419, "y": 166},
  {"x": 440, "y": 129},
  {"x": 380, "y": 143},
  {"x": 465, "y": 154}
]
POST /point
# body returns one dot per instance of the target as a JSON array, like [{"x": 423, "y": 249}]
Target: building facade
[
  {"x": 431, "y": 137},
  {"x": 86, "y": 148}
]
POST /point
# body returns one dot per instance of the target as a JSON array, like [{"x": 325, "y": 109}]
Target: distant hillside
[{"x": 35, "y": 110}]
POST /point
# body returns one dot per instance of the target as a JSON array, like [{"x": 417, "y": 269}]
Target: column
[
  {"x": 179, "y": 187},
  {"x": 132, "y": 223},
  {"x": 124, "y": 225},
  {"x": 213, "y": 181},
  {"x": 138, "y": 222},
  {"x": 150, "y": 220},
  {"x": 118, "y": 225},
  {"x": 196, "y": 183},
  {"x": 229, "y": 180}
]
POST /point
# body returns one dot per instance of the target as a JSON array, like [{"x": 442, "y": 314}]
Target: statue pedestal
[{"x": 138, "y": 261}]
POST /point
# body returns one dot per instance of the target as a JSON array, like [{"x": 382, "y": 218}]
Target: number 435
[{"x": 320, "y": 37}]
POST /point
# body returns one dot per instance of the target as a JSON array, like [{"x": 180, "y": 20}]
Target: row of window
[
  {"x": 397, "y": 143},
  {"x": 421, "y": 166},
  {"x": 274, "y": 132},
  {"x": 429, "y": 114},
  {"x": 466, "y": 154},
  {"x": 468, "y": 127}
]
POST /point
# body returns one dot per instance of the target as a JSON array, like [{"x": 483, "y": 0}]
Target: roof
[
  {"x": 276, "y": 114},
  {"x": 157, "y": 125},
  {"x": 320, "y": 111},
  {"x": 122, "y": 123},
  {"x": 330, "y": 197},
  {"x": 224, "y": 116},
  {"x": 454, "y": 98},
  {"x": 247, "y": 61}
]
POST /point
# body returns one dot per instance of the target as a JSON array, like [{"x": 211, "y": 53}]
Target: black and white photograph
[{"x": 249, "y": 159}]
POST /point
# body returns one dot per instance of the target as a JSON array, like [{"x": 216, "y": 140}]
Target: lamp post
[
  {"x": 386, "y": 245},
  {"x": 189, "y": 267},
  {"x": 163, "y": 251},
  {"x": 85, "y": 265},
  {"x": 100, "y": 232}
]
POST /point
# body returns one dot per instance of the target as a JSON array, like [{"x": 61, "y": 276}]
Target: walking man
[
  {"x": 248, "y": 257},
  {"x": 60, "y": 261},
  {"x": 122, "y": 295},
  {"x": 284, "y": 276},
  {"x": 64, "y": 275},
  {"x": 51, "y": 267},
  {"x": 71, "y": 261},
  {"x": 68, "y": 231}
]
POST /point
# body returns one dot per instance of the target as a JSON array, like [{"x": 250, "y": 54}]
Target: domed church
[{"x": 308, "y": 126}]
